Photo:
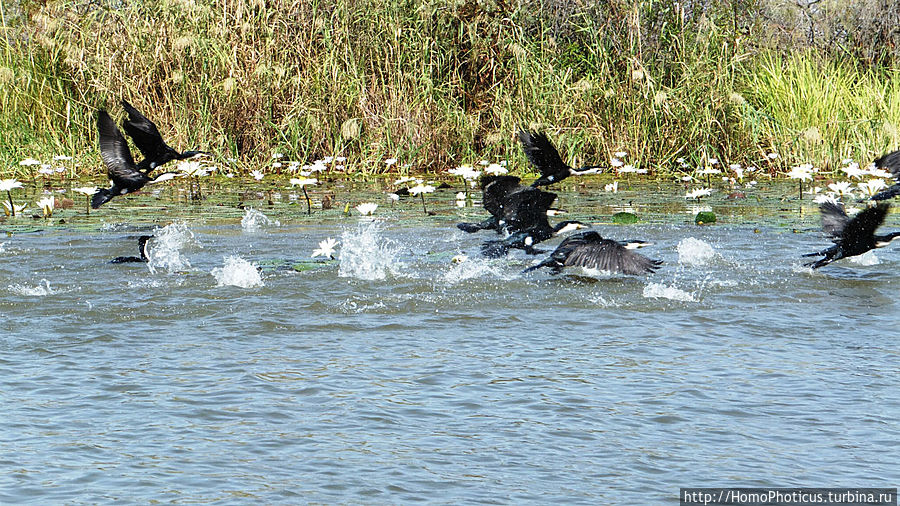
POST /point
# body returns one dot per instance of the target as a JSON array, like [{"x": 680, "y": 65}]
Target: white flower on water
[
  {"x": 16, "y": 209},
  {"x": 876, "y": 172},
  {"x": 698, "y": 193},
  {"x": 47, "y": 171},
  {"x": 303, "y": 181},
  {"x": 495, "y": 169},
  {"x": 9, "y": 184},
  {"x": 326, "y": 248},
  {"x": 421, "y": 188},
  {"x": 465, "y": 171},
  {"x": 872, "y": 186},
  {"x": 257, "y": 174},
  {"x": 841, "y": 188},
  {"x": 826, "y": 197},
  {"x": 194, "y": 169},
  {"x": 390, "y": 161},
  {"x": 46, "y": 204},
  {"x": 403, "y": 180},
  {"x": 708, "y": 171},
  {"x": 615, "y": 162},
  {"x": 367, "y": 208},
  {"x": 612, "y": 187},
  {"x": 85, "y": 190},
  {"x": 394, "y": 197},
  {"x": 801, "y": 172},
  {"x": 29, "y": 162}
]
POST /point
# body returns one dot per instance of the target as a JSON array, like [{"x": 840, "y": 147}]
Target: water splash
[
  {"x": 464, "y": 268},
  {"x": 40, "y": 290},
  {"x": 694, "y": 251},
  {"x": 661, "y": 291},
  {"x": 165, "y": 249},
  {"x": 254, "y": 220},
  {"x": 367, "y": 255},
  {"x": 237, "y": 272},
  {"x": 866, "y": 259}
]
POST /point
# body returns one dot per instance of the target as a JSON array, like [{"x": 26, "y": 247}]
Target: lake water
[{"x": 394, "y": 374}]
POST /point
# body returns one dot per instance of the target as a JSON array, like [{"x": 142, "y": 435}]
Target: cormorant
[
  {"x": 124, "y": 174},
  {"x": 524, "y": 217},
  {"x": 851, "y": 236},
  {"x": 494, "y": 189},
  {"x": 891, "y": 163},
  {"x": 142, "y": 245},
  {"x": 149, "y": 141},
  {"x": 591, "y": 251},
  {"x": 545, "y": 158}
]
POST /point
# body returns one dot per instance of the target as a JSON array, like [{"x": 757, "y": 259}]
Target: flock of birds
[{"x": 517, "y": 212}]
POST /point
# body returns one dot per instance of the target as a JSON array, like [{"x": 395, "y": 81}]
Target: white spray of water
[
  {"x": 468, "y": 268},
  {"x": 40, "y": 290},
  {"x": 694, "y": 251},
  {"x": 661, "y": 291},
  {"x": 254, "y": 220},
  {"x": 237, "y": 272},
  {"x": 367, "y": 255},
  {"x": 165, "y": 248},
  {"x": 866, "y": 259}
]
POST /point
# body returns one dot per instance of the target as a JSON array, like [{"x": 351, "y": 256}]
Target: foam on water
[
  {"x": 365, "y": 254},
  {"x": 661, "y": 291},
  {"x": 237, "y": 272},
  {"x": 694, "y": 251},
  {"x": 866, "y": 259},
  {"x": 39, "y": 290},
  {"x": 165, "y": 248},
  {"x": 468, "y": 268},
  {"x": 254, "y": 220}
]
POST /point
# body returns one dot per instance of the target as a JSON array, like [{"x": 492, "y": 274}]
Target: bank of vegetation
[{"x": 435, "y": 83}]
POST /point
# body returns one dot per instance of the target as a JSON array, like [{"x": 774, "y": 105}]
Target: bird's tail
[
  {"x": 102, "y": 196},
  {"x": 469, "y": 227}
]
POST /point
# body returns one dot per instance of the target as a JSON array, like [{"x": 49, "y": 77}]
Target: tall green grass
[{"x": 432, "y": 83}]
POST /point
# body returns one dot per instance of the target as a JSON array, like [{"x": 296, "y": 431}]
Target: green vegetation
[{"x": 436, "y": 84}]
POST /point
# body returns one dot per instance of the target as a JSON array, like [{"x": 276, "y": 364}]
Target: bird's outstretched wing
[
  {"x": 527, "y": 208},
  {"x": 115, "y": 153},
  {"x": 834, "y": 219},
  {"x": 494, "y": 189},
  {"x": 143, "y": 132},
  {"x": 541, "y": 153},
  {"x": 862, "y": 226},
  {"x": 607, "y": 255}
]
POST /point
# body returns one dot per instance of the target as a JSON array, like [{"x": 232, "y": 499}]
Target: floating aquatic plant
[
  {"x": 698, "y": 193},
  {"x": 325, "y": 249},
  {"x": 800, "y": 173},
  {"x": 88, "y": 191},
  {"x": 302, "y": 182},
  {"x": 47, "y": 204},
  {"x": 422, "y": 189},
  {"x": 367, "y": 208},
  {"x": 7, "y": 185}
]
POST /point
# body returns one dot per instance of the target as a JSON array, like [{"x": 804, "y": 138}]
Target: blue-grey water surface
[{"x": 395, "y": 374}]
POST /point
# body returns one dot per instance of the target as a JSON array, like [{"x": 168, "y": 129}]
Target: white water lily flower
[
  {"x": 47, "y": 171},
  {"x": 853, "y": 170},
  {"x": 394, "y": 197},
  {"x": 9, "y": 184},
  {"x": 872, "y": 186},
  {"x": 326, "y": 248},
  {"x": 257, "y": 175},
  {"x": 46, "y": 204},
  {"x": 612, "y": 187},
  {"x": 801, "y": 172},
  {"x": 620, "y": 154},
  {"x": 295, "y": 181},
  {"x": 390, "y": 161},
  {"x": 16, "y": 209},
  {"x": 627, "y": 169},
  {"x": 615, "y": 162},
  {"x": 841, "y": 188},
  {"x": 404, "y": 180},
  {"x": 421, "y": 188},
  {"x": 465, "y": 171},
  {"x": 276, "y": 165},
  {"x": 484, "y": 162},
  {"x": 86, "y": 190},
  {"x": 826, "y": 197},
  {"x": 29, "y": 161},
  {"x": 698, "y": 193},
  {"x": 195, "y": 169},
  {"x": 367, "y": 208},
  {"x": 708, "y": 171},
  {"x": 876, "y": 172},
  {"x": 495, "y": 169}
]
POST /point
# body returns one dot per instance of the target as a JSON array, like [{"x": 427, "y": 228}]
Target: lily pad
[
  {"x": 624, "y": 218},
  {"x": 705, "y": 218}
]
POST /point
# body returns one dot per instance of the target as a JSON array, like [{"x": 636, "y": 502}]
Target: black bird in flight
[
  {"x": 851, "y": 236},
  {"x": 591, "y": 251}
]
